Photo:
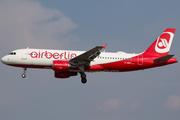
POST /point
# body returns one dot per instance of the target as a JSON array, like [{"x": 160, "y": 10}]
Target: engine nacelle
[
  {"x": 62, "y": 65},
  {"x": 65, "y": 74}
]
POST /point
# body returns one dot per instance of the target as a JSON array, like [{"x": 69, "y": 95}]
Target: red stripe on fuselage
[{"x": 30, "y": 66}]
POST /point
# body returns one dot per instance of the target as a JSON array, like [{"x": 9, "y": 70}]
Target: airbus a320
[{"x": 68, "y": 63}]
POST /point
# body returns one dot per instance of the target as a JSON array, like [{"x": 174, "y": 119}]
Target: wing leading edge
[{"x": 85, "y": 58}]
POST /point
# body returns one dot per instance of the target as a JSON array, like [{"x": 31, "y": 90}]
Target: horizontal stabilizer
[{"x": 164, "y": 58}]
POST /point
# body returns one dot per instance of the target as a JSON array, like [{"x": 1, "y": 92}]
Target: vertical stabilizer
[{"x": 162, "y": 44}]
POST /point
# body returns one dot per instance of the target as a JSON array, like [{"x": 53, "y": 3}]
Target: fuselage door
[
  {"x": 140, "y": 60},
  {"x": 24, "y": 54}
]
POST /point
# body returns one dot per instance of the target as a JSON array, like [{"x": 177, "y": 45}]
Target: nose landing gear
[{"x": 24, "y": 74}]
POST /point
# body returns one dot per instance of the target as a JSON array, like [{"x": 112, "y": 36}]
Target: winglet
[{"x": 104, "y": 46}]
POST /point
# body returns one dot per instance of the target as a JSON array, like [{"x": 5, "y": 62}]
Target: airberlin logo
[
  {"x": 164, "y": 42},
  {"x": 49, "y": 55}
]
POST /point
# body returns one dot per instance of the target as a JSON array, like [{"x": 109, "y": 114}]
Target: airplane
[{"x": 67, "y": 63}]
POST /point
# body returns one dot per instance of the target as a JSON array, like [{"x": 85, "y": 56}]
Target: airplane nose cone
[{"x": 3, "y": 60}]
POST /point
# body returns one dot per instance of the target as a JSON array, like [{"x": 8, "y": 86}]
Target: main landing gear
[
  {"x": 24, "y": 74},
  {"x": 83, "y": 77}
]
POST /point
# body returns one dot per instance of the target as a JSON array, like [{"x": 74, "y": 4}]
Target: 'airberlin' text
[{"x": 49, "y": 55}]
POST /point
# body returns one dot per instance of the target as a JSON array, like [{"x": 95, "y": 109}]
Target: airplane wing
[{"x": 85, "y": 58}]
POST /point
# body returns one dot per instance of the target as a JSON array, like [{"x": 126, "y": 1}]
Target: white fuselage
[{"x": 45, "y": 57}]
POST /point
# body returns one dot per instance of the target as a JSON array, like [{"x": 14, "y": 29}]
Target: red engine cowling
[
  {"x": 61, "y": 65},
  {"x": 65, "y": 74}
]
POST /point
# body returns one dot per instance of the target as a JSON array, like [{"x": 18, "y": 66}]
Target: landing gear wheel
[
  {"x": 83, "y": 75},
  {"x": 23, "y": 75},
  {"x": 83, "y": 80}
]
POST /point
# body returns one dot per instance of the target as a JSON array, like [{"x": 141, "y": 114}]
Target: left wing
[{"x": 85, "y": 58}]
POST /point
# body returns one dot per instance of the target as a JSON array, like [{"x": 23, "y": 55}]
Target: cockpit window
[{"x": 12, "y": 53}]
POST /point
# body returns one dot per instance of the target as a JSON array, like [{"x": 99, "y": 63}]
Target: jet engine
[{"x": 62, "y": 65}]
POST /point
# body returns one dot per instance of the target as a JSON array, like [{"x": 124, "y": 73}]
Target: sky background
[{"x": 129, "y": 26}]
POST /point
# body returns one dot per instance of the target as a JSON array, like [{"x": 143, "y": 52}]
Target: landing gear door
[{"x": 24, "y": 54}]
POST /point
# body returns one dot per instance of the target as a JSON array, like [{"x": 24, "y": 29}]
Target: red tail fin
[{"x": 162, "y": 45}]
